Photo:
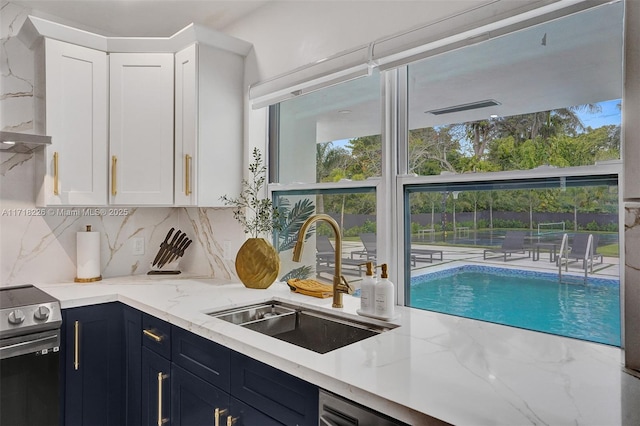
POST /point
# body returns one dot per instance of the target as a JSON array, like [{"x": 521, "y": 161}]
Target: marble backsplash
[
  {"x": 42, "y": 249},
  {"x": 40, "y": 245}
]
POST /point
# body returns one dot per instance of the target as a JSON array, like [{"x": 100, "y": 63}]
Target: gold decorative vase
[{"x": 257, "y": 263}]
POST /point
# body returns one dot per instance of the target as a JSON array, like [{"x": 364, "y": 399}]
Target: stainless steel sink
[{"x": 308, "y": 328}]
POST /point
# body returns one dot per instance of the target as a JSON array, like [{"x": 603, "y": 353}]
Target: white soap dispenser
[
  {"x": 367, "y": 296},
  {"x": 384, "y": 296}
]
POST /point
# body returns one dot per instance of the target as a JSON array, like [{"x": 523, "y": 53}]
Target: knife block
[{"x": 170, "y": 253}]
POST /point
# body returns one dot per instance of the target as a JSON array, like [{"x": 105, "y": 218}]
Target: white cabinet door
[
  {"x": 209, "y": 125},
  {"x": 141, "y": 129},
  {"x": 73, "y": 111},
  {"x": 186, "y": 126}
]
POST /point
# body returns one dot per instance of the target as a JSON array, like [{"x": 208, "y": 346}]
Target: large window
[
  {"x": 515, "y": 219},
  {"x": 502, "y": 154}
]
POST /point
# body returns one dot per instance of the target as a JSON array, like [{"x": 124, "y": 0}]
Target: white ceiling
[{"x": 142, "y": 18}]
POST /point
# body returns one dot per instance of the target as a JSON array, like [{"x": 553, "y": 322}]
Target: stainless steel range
[{"x": 30, "y": 322}]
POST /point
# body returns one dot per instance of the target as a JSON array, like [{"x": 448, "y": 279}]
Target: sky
[{"x": 610, "y": 114}]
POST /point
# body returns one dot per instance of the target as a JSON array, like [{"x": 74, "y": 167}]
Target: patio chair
[
  {"x": 581, "y": 250},
  {"x": 513, "y": 243},
  {"x": 424, "y": 255},
  {"x": 324, "y": 248},
  {"x": 369, "y": 243},
  {"x": 325, "y": 258}
]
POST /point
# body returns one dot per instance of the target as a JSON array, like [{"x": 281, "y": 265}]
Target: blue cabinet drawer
[
  {"x": 156, "y": 335},
  {"x": 281, "y": 396},
  {"x": 194, "y": 401},
  {"x": 204, "y": 358}
]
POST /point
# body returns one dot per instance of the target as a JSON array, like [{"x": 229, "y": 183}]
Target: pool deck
[
  {"x": 454, "y": 256},
  {"x": 608, "y": 269}
]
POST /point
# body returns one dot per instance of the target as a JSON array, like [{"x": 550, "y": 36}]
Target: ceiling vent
[{"x": 464, "y": 107}]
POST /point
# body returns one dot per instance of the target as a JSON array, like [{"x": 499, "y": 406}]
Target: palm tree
[{"x": 328, "y": 159}]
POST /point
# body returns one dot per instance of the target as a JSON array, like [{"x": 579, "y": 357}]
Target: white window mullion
[
  {"x": 386, "y": 196},
  {"x": 402, "y": 160}
]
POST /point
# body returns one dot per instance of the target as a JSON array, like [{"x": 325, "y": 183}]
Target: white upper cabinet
[
  {"x": 71, "y": 107},
  {"x": 141, "y": 129},
  {"x": 208, "y": 125},
  {"x": 111, "y": 116}
]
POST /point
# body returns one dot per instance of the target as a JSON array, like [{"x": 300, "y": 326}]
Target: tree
[
  {"x": 330, "y": 161},
  {"x": 329, "y": 158},
  {"x": 366, "y": 157},
  {"x": 432, "y": 150}
]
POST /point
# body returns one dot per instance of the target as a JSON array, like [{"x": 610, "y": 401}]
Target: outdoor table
[{"x": 551, "y": 247}]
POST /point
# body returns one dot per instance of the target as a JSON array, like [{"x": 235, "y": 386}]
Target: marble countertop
[{"x": 438, "y": 366}]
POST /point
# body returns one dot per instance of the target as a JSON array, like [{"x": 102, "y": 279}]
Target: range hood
[{"x": 23, "y": 143}]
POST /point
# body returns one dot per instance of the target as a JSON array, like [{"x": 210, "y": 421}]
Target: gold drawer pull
[
  {"x": 152, "y": 335},
  {"x": 161, "y": 377},
  {"x": 114, "y": 164},
  {"x": 76, "y": 345},
  {"x": 231, "y": 420},
  {"x": 56, "y": 190},
  {"x": 217, "y": 413},
  {"x": 187, "y": 174}
]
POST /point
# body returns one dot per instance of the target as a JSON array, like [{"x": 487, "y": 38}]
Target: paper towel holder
[{"x": 92, "y": 279}]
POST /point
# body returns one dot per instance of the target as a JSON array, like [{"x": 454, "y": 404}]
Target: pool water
[{"x": 530, "y": 300}]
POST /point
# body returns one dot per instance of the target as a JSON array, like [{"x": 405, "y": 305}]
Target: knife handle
[
  {"x": 56, "y": 190},
  {"x": 114, "y": 182},
  {"x": 187, "y": 174}
]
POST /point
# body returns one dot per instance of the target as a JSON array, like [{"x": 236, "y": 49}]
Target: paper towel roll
[{"x": 88, "y": 256}]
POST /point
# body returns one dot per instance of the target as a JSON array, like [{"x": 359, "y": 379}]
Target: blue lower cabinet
[
  {"x": 94, "y": 363},
  {"x": 135, "y": 369},
  {"x": 195, "y": 402},
  {"x": 155, "y": 389},
  {"x": 133, "y": 366},
  {"x": 277, "y": 394}
]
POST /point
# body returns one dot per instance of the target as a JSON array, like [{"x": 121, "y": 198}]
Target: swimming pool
[{"x": 525, "y": 299}]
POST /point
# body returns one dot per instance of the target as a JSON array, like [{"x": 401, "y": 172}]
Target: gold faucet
[{"x": 340, "y": 284}]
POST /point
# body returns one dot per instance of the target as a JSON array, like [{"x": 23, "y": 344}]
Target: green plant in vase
[{"x": 257, "y": 261}]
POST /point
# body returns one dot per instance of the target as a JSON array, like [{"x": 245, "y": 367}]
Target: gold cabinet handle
[
  {"x": 161, "y": 377},
  {"x": 114, "y": 164},
  {"x": 152, "y": 335},
  {"x": 76, "y": 346},
  {"x": 187, "y": 174},
  {"x": 231, "y": 420},
  {"x": 217, "y": 413},
  {"x": 56, "y": 190}
]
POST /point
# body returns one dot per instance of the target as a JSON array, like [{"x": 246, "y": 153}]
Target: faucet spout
[{"x": 340, "y": 284}]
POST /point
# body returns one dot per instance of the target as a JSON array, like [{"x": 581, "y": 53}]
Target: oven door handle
[{"x": 37, "y": 343}]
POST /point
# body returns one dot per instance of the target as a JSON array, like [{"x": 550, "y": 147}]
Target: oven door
[{"x": 29, "y": 377}]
